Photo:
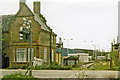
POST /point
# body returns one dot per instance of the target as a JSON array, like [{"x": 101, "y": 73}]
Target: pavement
[{"x": 65, "y": 73}]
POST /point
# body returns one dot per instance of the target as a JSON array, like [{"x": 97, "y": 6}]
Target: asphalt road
[{"x": 65, "y": 73}]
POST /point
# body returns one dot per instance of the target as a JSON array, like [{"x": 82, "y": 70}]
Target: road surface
[{"x": 66, "y": 73}]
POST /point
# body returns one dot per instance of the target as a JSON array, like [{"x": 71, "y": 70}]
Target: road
[{"x": 65, "y": 73}]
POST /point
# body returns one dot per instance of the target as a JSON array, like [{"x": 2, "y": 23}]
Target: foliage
[
  {"x": 115, "y": 57},
  {"x": 102, "y": 65},
  {"x": 15, "y": 76},
  {"x": 13, "y": 67},
  {"x": 54, "y": 66},
  {"x": 16, "y": 67}
]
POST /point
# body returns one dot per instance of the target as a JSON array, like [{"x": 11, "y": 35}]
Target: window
[
  {"x": 21, "y": 35},
  {"x": 52, "y": 55},
  {"x": 32, "y": 56},
  {"x": 21, "y": 28},
  {"x": 21, "y": 54},
  {"x": 13, "y": 54},
  {"x": 52, "y": 39},
  {"x": 45, "y": 55}
]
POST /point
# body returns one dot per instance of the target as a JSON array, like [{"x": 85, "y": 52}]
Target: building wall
[
  {"x": 58, "y": 58},
  {"x": 40, "y": 39}
]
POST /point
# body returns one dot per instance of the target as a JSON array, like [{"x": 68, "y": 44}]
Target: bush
[
  {"x": 24, "y": 67},
  {"x": 54, "y": 66},
  {"x": 67, "y": 68},
  {"x": 13, "y": 67}
]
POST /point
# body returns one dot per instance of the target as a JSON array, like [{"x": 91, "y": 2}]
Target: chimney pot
[
  {"x": 36, "y": 7},
  {"x": 21, "y": 3}
]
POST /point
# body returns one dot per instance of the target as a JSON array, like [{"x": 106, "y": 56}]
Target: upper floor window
[
  {"x": 21, "y": 35},
  {"x": 52, "y": 39}
]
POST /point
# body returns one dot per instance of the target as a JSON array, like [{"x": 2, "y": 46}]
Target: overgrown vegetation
[
  {"x": 16, "y": 67},
  {"x": 103, "y": 65},
  {"x": 54, "y": 66},
  {"x": 17, "y": 76}
]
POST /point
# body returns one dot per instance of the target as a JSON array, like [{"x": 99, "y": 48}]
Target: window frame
[
  {"x": 18, "y": 60},
  {"x": 45, "y": 55},
  {"x": 52, "y": 55}
]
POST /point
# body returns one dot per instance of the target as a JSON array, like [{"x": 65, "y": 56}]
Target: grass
[
  {"x": 18, "y": 76},
  {"x": 102, "y": 65}
]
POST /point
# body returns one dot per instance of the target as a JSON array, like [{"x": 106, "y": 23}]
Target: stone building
[{"x": 16, "y": 49}]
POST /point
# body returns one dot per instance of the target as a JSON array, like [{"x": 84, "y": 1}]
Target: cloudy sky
[{"x": 82, "y": 20}]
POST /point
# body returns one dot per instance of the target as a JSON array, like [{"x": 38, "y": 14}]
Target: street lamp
[
  {"x": 67, "y": 44},
  {"x": 88, "y": 44},
  {"x": 94, "y": 51},
  {"x": 26, "y": 32}
]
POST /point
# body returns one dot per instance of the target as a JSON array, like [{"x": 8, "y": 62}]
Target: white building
[{"x": 83, "y": 57}]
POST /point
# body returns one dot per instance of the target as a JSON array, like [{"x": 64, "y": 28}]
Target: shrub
[
  {"x": 24, "y": 67},
  {"x": 54, "y": 66},
  {"x": 67, "y": 68},
  {"x": 13, "y": 67}
]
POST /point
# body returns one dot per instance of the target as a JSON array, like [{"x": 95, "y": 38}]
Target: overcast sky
[{"x": 81, "y": 20}]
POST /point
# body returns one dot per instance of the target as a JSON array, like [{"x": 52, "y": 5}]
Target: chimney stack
[
  {"x": 21, "y": 3},
  {"x": 36, "y": 7}
]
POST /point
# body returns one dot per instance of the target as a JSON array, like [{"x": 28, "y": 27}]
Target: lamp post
[
  {"x": 67, "y": 44},
  {"x": 26, "y": 32},
  {"x": 88, "y": 45},
  {"x": 111, "y": 55},
  {"x": 50, "y": 47},
  {"x": 94, "y": 52}
]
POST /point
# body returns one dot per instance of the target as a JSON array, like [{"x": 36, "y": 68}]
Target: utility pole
[
  {"x": 50, "y": 47},
  {"x": 30, "y": 74},
  {"x": 111, "y": 55},
  {"x": 60, "y": 41},
  {"x": 62, "y": 54}
]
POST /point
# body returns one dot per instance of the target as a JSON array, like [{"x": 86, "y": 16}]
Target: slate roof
[{"x": 39, "y": 20}]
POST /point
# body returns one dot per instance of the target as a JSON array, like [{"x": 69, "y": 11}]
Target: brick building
[{"x": 16, "y": 49}]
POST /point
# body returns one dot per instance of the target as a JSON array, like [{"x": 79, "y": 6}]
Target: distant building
[
  {"x": 18, "y": 51},
  {"x": 83, "y": 57},
  {"x": 74, "y": 56}
]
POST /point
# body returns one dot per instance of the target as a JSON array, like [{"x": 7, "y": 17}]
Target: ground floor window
[
  {"x": 21, "y": 54},
  {"x": 52, "y": 55},
  {"x": 13, "y": 54},
  {"x": 45, "y": 55}
]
